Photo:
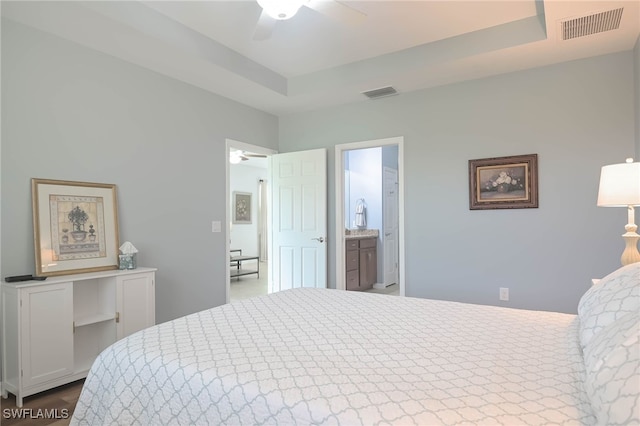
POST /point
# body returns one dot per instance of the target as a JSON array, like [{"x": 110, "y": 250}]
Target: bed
[{"x": 321, "y": 356}]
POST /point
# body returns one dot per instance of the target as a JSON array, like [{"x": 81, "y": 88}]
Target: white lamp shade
[{"x": 619, "y": 185}]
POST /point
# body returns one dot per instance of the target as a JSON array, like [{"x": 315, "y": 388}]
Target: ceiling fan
[
  {"x": 278, "y": 10},
  {"x": 238, "y": 156}
]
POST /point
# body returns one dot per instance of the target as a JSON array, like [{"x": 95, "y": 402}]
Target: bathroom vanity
[{"x": 361, "y": 259}]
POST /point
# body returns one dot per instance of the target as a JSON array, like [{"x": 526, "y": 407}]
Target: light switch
[{"x": 216, "y": 226}]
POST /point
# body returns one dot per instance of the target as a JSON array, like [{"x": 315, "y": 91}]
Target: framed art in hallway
[
  {"x": 75, "y": 226},
  {"x": 503, "y": 182},
  {"x": 241, "y": 207}
]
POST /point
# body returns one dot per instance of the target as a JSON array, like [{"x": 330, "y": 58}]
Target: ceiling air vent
[
  {"x": 591, "y": 24},
  {"x": 380, "y": 93}
]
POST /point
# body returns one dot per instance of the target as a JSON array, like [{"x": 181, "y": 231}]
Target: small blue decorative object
[
  {"x": 128, "y": 261},
  {"x": 128, "y": 256}
]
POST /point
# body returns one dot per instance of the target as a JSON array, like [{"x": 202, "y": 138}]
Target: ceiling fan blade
[
  {"x": 255, "y": 155},
  {"x": 338, "y": 11},
  {"x": 264, "y": 27}
]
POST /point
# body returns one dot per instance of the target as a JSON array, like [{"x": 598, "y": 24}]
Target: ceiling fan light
[
  {"x": 281, "y": 9},
  {"x": 235, "y": 157}
]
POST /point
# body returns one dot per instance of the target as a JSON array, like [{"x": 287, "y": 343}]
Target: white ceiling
[{"x": 312, "y": 61}]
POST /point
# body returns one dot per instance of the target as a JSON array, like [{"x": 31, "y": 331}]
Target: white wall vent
[
  {"x": 591, "y": 24},
  {"x": 380, "y": 93}
]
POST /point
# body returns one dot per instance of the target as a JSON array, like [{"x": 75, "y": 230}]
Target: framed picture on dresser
[{"x": 75, "y": 226}]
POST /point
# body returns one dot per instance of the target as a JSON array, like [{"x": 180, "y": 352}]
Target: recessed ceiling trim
[
  {"x": 503, "y": 36},
  {"x": 146, "y": 20}
]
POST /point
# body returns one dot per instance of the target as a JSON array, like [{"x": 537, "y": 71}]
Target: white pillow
[
  {"x": 612, "y": 367},
  {"x": 614, "y": 296}
]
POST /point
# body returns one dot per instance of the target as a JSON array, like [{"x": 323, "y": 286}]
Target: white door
[
  {"x": 47, "y": 332},
  {"x": 390, "y": 221},
  {"x": 299, "y": 220}
]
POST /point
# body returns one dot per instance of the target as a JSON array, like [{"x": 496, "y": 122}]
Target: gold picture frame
[
  {"x": 75, "y": 227},
  {"x": 504, "y": 182}
]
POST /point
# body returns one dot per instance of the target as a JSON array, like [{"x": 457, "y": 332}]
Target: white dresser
[{"x": 53, "y": 330}]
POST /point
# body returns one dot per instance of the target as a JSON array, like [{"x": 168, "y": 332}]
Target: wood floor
[{"x": 59, "y": 402}]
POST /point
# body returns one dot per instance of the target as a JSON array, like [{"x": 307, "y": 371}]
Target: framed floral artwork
[
  {"x": 75, "y": 226},
  {"x": 241, "y": 207},
  {"x": 504, "y": 182}
]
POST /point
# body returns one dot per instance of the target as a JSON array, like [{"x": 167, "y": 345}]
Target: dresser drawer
[
  {"x": 353, "y": 280},
  {"x": 368, "y": 242},
  {"x": 352, "y": 244},
  {"x": 352, "y": 260}
]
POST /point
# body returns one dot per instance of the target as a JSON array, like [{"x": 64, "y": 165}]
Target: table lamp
[{"x": 620, "y": 187}]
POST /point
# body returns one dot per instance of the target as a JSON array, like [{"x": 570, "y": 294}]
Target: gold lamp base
[{"x": 630, "y": 253}]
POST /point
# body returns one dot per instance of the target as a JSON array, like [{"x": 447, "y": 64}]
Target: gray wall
[
  {"x": 577, "y": 116},
  {"x": 72, "y": 113}
]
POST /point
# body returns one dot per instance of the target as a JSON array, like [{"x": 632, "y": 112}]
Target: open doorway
[
  {"x": 247, "y": 202},
  {"x": 370, "y": 216},
  {"x": 297, "y": 214}
]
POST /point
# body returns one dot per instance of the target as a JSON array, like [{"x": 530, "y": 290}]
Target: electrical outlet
[
  {"x": 216, "y": 226},
  {"x": 504, "y": 293}
]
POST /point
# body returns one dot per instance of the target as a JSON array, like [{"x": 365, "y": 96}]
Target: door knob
[{"x": 321, "y": 239}]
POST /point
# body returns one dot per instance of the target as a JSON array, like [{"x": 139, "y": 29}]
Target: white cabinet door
[
  {"x": 135, "y": 303},
  {"x": 47, "y": 332}
]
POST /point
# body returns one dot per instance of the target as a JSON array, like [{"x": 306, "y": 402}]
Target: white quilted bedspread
[{"x": 334, "y": 357}]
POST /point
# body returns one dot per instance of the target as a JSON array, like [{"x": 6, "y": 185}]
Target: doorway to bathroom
[{"x": 370, "y": 215}]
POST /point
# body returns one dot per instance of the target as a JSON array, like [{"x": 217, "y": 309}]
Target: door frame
[
  {"x": 339, "y": 200},
  {"x": 231, "y": 143}
]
